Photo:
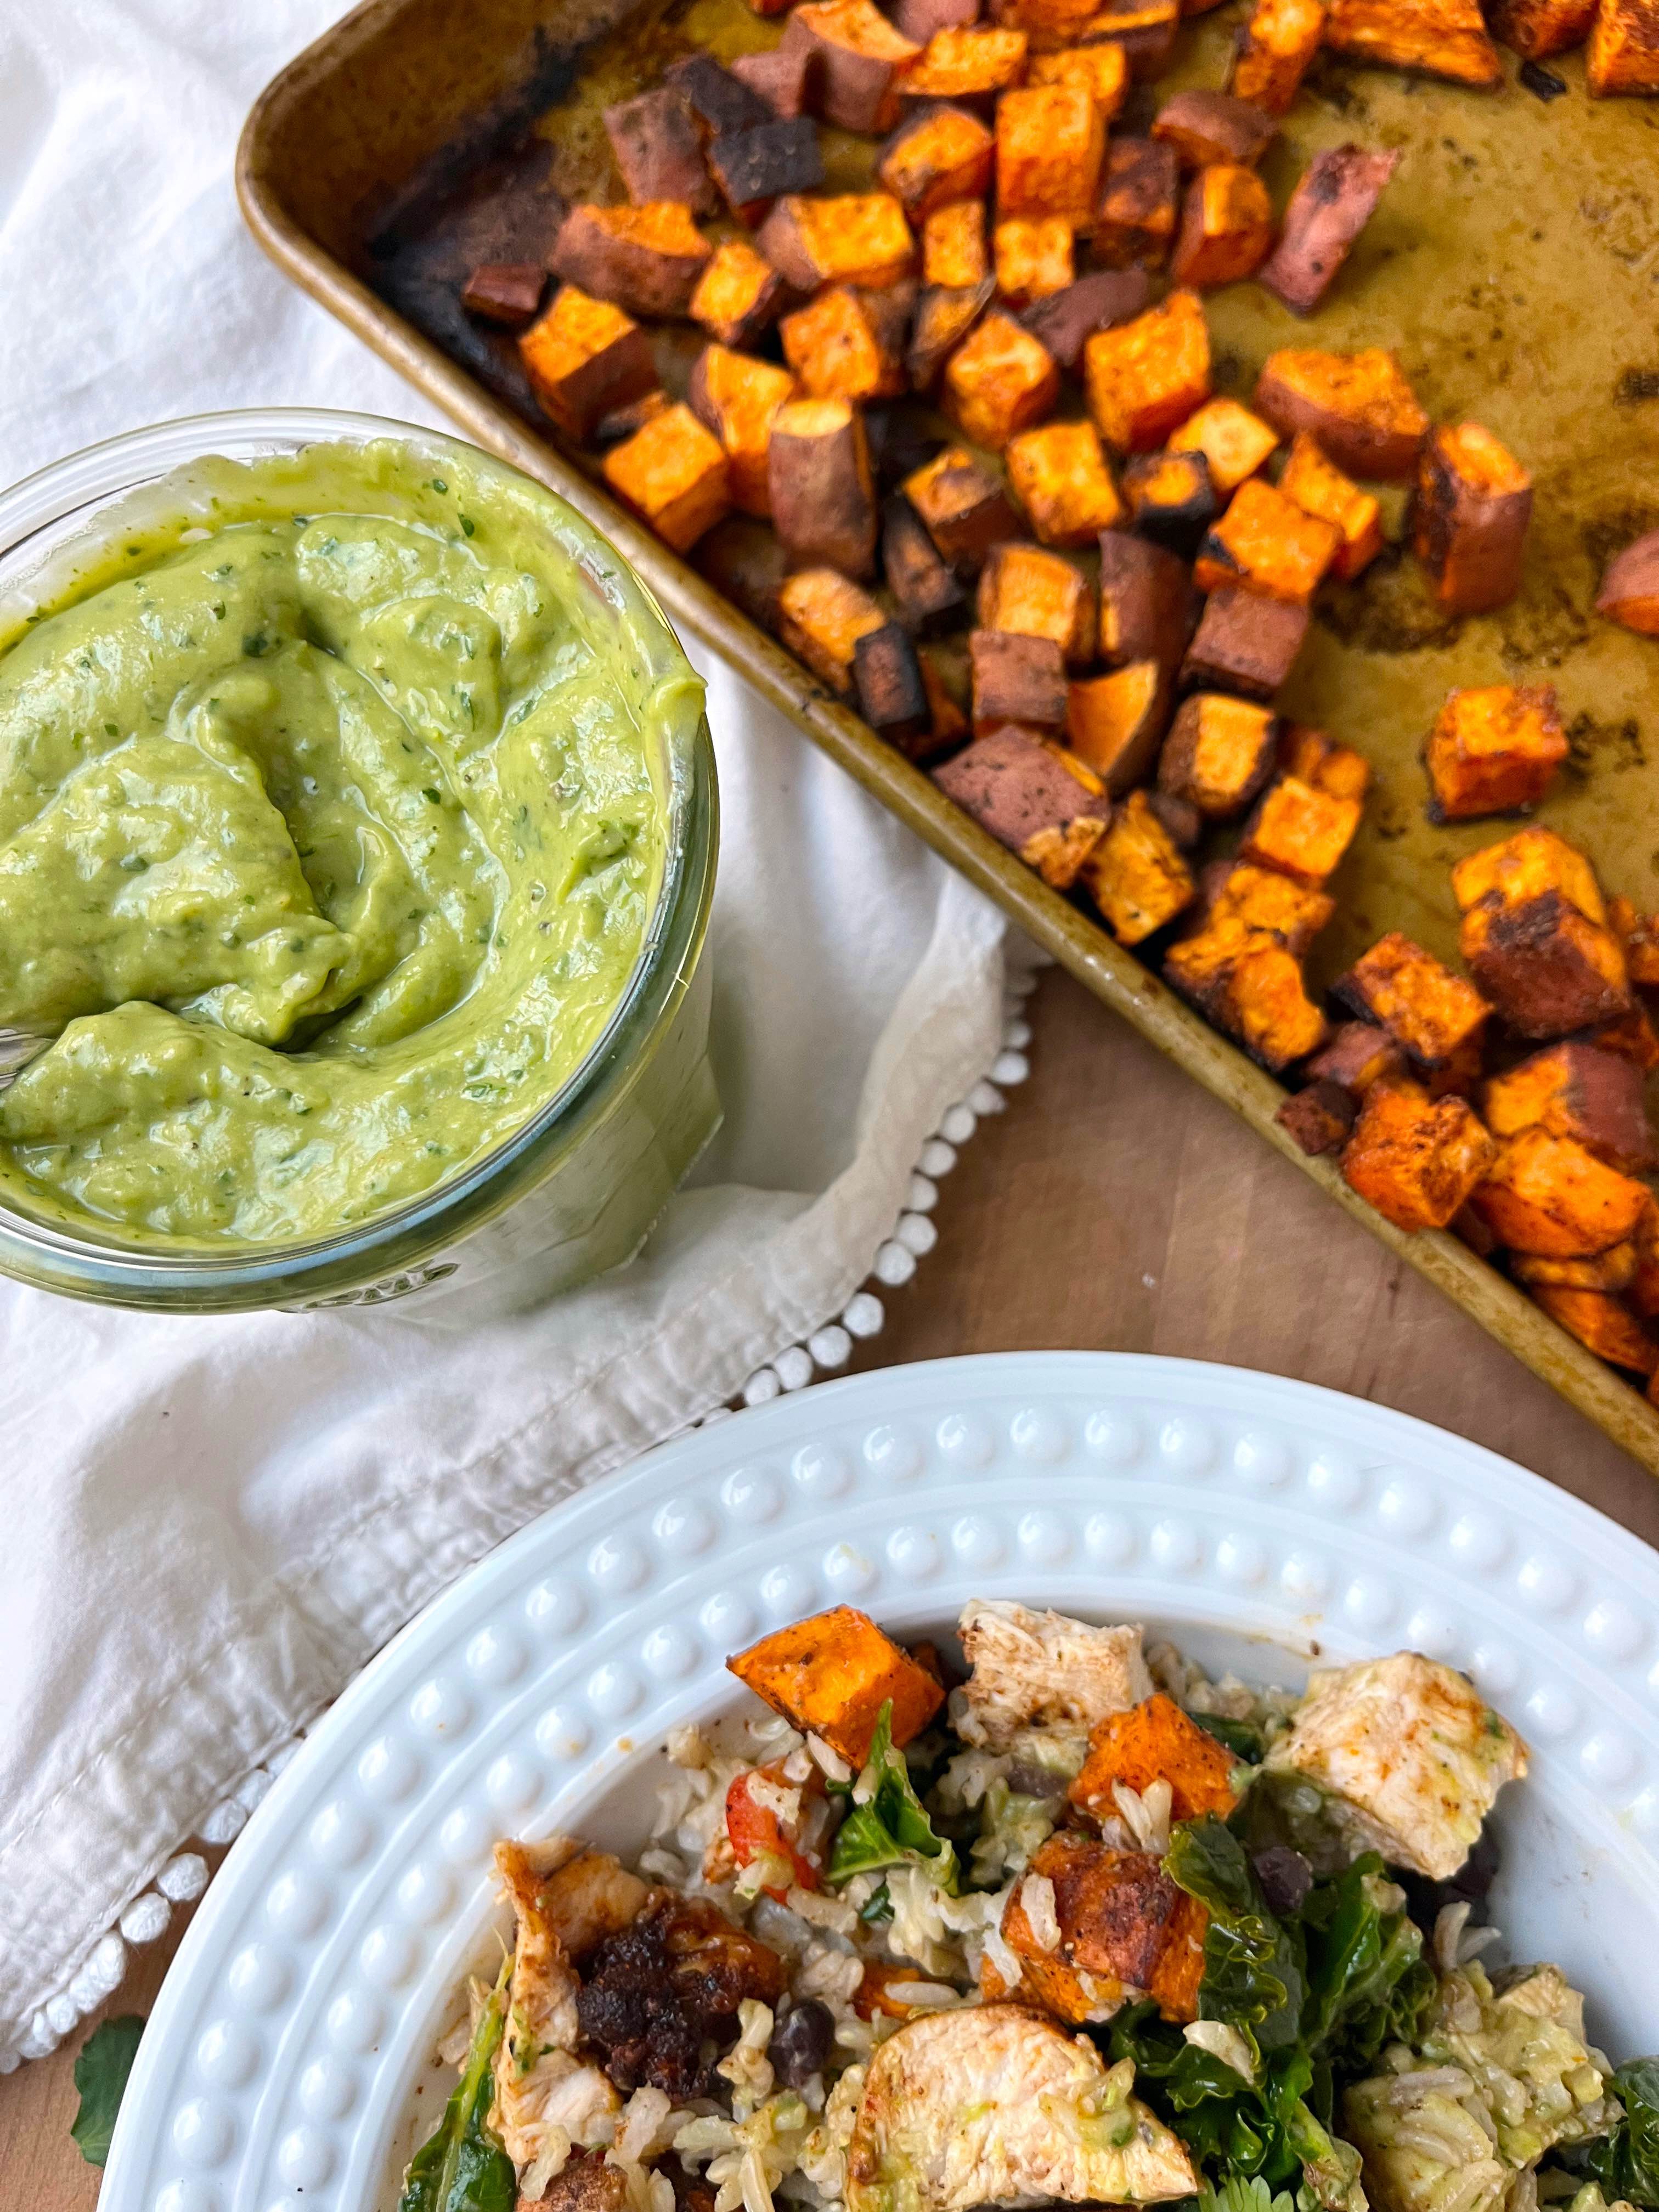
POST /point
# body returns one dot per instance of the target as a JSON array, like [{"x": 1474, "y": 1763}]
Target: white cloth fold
[{"x": 211, "y": 1525}]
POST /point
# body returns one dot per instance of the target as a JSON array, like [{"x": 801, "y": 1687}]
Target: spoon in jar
[{"x": 17, "y": 1049}]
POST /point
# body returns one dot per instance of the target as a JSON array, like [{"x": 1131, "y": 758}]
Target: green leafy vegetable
[
  {"x": 1368, "y": 1982},
  {"x": 1252, "y": 1972},
  {"x": 461, "y": 2166},
  {"x": 1627, "y": 2162},
  {"x": 891, "y": 1829},
  {"x": 879, "y": 1908},
  {"x": 100, "y": 2077},
  {"x": 1243, "y": 1738}
]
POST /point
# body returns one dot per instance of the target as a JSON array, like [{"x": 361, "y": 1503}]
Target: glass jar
[{"x": 575, "y": 1190}]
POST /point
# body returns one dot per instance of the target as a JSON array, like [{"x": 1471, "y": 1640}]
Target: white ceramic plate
[{"x": 1255, "y": 1518}]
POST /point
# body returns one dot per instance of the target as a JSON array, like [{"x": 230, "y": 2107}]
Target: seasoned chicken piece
[
  {"x": 998, "y": 2105},
  {"x": 1043, "y": 1670},
  {"x": 1409, "y": 1752}
]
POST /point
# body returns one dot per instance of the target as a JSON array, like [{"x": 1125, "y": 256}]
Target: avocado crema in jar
[{"x": 330, "y": 832}]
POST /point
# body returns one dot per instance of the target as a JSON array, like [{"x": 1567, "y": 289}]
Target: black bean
[
  {"x": 801, "y": 2043},
  {"x": 1285, "y": 1877}
]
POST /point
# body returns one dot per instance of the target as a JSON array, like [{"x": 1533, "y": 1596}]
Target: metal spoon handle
[{"x": 17, "y": 1049}]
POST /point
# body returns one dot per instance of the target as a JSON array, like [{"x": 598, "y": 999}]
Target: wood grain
[{"x": 1115, "y": 1205}]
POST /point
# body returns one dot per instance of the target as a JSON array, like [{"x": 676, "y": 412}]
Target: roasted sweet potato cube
[
  {"x": 1226, "y": 228},
  {"x": 784, "y": 80},
  {"x": 1218, "y": 754},
  {"x": 1140, "y": 187},
  {"x": 1248, "y": 984},
  {"x": 943, "y": 319},
  {"x": 1576, "y": 1089},
  {"x": 1632, "y": 1035},
  {"x": 1545, "y": 966},
  {"x": 1357, "y": 406},
  {"x": 1233, "y": 442},
  {"x": 1032, "y": 798},
  {"x": 1060, "y": 477},
  {"x": 854, "y": 238},
  {"x": 754, "y": 168},
  {"x": 921, "y": 19},
  {"x": 1474, "y": 504},
  {"x": 1548, "y": 1195},
  {"x": 1613, "y": 1271},
  {"x": 507, "y": 292},
  {"x": 745, "y": 560},
  {"x": 1493, "y": 749},
  {"x": 1144, "y": 378},
  {"x": 1524, "y": 867},
  {"x": 1170, "y": 498},
  {"x": 1299, "y": 830},
  {"x": 947, "y": 730},
  {"x": 1064, "y": 320},
  {"x": 1319, "y": 488},
  {"x": 953, "y": 250},
  {"x": 821, "y": 617},
  {"x": 1238, "y": 891},
  {"x": 833, "y": 348},
  {"x": 1145, "y": 29},
  {"x": 1000, "y": 380},
  {"x": 1320, "y": 1119},
  {"x": 1601, "y": 1324},
  {"x": 720, "y": 102},
  {"x": 1146, "y": 602},
  {"x": 1416, "y": 1159},
  {"x": 1115, "y": 722},
  {"x": 1206, "y": 128},
  {"x": 1335, "y": 198},
  {"x": 1050, "y": 25},
  {"x": 1265, "y": 543},
  {"x": 1114, "y": 1911},
  {"x": 737, "y": 397},
  {"x": 1101, "y": 71},
  {"x": 925, "y": 587},
  {"x": 1441, "y": 38},
  {"x": 1137, "y": 875},
  {"x": 1017, "y": 679},
  {"x": 1638, "y": 934},
  {"x": 973, "y": 63},
  {"x": 1623, "y": 49},
  {"x": 659, "y": 149},
  {"x": 938, "y": 155},
  {"x": 964, "y": 507},
  {"x": 1245, "y": 643},
  {"x": 584, "y": 357},
  {"x": 1155, "y": 1742},
  {"x": 1358, "y": 1054},
  {"x": 821, "y": 486},
  {"x": 739, "y": 294},
  {"x": 862, "y": 61},
  {"x": 622, "y": 421},
  {"x": 1276, "y": 49},
  {"x": 1034, "y": 257},
  {"x": 1644, "y": 1285},
  {"x": 891, "y": 696},
  {"x": 1630, "y": 586},
  {"x": 1038, "y": 594},
  {"x": 647, "y": 259},
  {"x": 674, "y": 475},
  {"x": 1431, "y": 1013},
  {"x": 1050, "y": 142},
  {"x": 830, "y": 1676},
  {"x": 1335, "y": 768}
]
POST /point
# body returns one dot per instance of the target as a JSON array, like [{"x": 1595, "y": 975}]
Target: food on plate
[
  {"x": 1135, "y": 222},
  {"x": 1441, "y": 38},
  {"x": 1089, "y": 1927},
  {"x": 1334, "y": 198},
  {"x": 1276, "y": 48},
  {"x": 1226, "y": 228},
  {"x": 1474, "y": 504},
  {"x": 1357, "y": 407},
  {"x": 1493, "y": 750},
  {"x": 1207, "y": 128},
  {"x": 1037, "y": 799},
  {"x": 1630, "y": 588},
  {"x": 645, "y": 259}
]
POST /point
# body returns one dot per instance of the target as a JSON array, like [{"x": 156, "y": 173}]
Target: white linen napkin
[{"x": 211, "y": 1525}]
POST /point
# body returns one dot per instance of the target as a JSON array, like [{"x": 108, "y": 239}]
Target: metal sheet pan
[{"x": 1514, "y": 268}]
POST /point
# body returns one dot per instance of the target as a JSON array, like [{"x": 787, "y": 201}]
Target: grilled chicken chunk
[{"x": 1043, "y": 1670}]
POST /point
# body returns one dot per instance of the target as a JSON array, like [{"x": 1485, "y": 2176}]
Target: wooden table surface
[{"x": 1115, "y": 1205}]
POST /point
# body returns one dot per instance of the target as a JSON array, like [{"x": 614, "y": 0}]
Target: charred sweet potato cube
[
  {"x": 739, "y": 294},
  {"x": 1218, "y": 754},
  {"x": 953, "y": 250},
  {"x": 891, "y": 696},
  {"x": 862, "y": 60},
  {"x": 973, "y": 63},
  {"x": 1145, "y": 29},
  {"x": 1300, "y": 831},
  {"x": 830, "y": 1676},
  {"x": 754, "y": 168},
  {"x": 1114, "y": 1911},
  {"x": 1171, "y": 498},
  {"x": 964, "y": 507},
  {"x": 1065, "y": 320},
  {"x": 1638, "y": 934},
  {"x": 1050, "y": 25},
  {"x": 1630, "y": 586},
  {"x": 1276, "y": 49},
  {"x": 737, "y": 397},
  {"x": 1320, "y": 1119},
  {"x": 921, "y": 19},
  {"x": 1101, "y": 71},
  {"x": 1632, "y": 1036},
  {"x": 1050, "y": 142},
  {"x": 584, "y": 357},
  {"x": 1623, "y": 49},
  {"x": 1545, "y": 966},
  {"x": 1644, "y": 1287},
  {"x": 924, "y": 585},
  {"x": 832, "y": 346},
  {"x": 943, "y": 319},
  {"x": 1262, "y": 900},
  {"x": 1319, "y": 488},
  {"x": 1248, "y": 984},
  {"x": 1245, "y": 643},
  {"x": 1524, "y": 867},
  {"x": 1358, "y": 1054},
  {"x": 1416, "y": 1159},
  {"x": 1265, "y": 543},
  {"x": 821, "y": 617},
  {"x": 1357, "y": 406},
  {"x": 1137, "y": 875},
  {"x": 1474, "y": 504},
  {"x": 647, "y": 259},
  {"x": 674, "y": 475},
  {"x": 1058, "y": 475},
  {"x": 622, "y": 421},
  {"x": 1032, "y": 798},
  {"x": 1441, "y": 38},
  {"x": 1548, "y": 1195},
  {"x": 1335, "y": 768},
  {"x": 1602, "y": 1325},
  {"x": 1017, "y": 679},
  {"x": 1233, "y": 440},
  {"x": 1135, "y": 222},
  {"x": 939, "y": 156},
  {"x": 720, "y": 101},
  {"x": 821, "y": 485},
  {"x": 1493, "y": 749},
  {"x": 1576, "y": 1089},
  {"x": 784, "y": 80},
  {"x": 659, "y": 149},
  {"x": 1000, "y": 380},
  {"x": 1226, "y": 228},
  {"x": 1034, "y": 257},
  {"x": 1206, "y": 128},
  {"x": 508, "y": 292},
  {"x": 1114, "y": 723},
  {"x": 1431, "y": 1013},
  {"x": 854, "y": 238},
  {"x": 745, "y": 560},
  {"x": 1038, "y": 594},
  {"x": 1144, "y": 378},
  {"x": 1335, "y": 198},
  {"x": 1146, "y": 602},
  {"x": 1611, "y": 1272},
  {"x": 948, "y": 725}
]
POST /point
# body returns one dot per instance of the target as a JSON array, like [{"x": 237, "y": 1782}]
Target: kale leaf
[
  {"x": 461, "y": 2166},
  {"x": 100, "y": 2077},
  {"x": 1627, "y": 2162},
  {"x": 891, "y": 1829}
]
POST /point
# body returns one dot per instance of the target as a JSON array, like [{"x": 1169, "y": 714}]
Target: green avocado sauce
[{"x": 330, "y": 826}]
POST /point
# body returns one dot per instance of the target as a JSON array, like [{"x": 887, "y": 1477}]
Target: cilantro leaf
[{"x": 100, "y": 2077}]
